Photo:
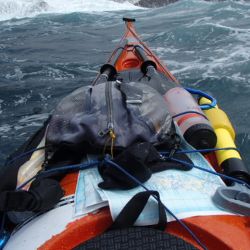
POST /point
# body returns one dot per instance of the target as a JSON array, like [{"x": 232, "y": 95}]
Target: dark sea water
[{"x": 44, "y": 57}]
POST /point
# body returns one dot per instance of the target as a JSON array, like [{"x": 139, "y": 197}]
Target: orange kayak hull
[{"x": 215, "y": 232}]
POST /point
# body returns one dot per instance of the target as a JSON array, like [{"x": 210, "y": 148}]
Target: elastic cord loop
[
  {"x": 203, "y": 94},
  {"x": 8, "y": 162},
  {"x": 193, "y": 235},
  {"x": 203, "y": 151},
  {"x": 212, "y": 172},
  {"x": 189, "y": 112}
]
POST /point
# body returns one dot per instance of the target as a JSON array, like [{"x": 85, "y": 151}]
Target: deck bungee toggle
[{"x": 117, "y": 137}]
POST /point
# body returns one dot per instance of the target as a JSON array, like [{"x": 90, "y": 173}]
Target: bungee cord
[{"x": 107, "y": 159}]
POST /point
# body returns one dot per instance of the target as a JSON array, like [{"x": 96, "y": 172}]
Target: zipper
[
  {"x": 109, "y": 131},
  {"x": 110, "y": 115}
]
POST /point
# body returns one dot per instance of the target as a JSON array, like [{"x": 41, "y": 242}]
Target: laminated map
[{"x": 184, "y": 193}]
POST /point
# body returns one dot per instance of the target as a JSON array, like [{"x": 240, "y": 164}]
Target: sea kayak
[{"x": 59, "y": 229}]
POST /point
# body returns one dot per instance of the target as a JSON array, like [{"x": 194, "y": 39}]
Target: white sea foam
[
  {"x": 28, "y": 8},
  {"x": 4, "y": 128},
  {"x": 58, "y": 74},
  {"x": 227, "y": 60},
  {"x": 33, "y": 120},
  {"x": 21, "y": 100},
  {"x": 43, "y": 97},
  {"x": 1, "y": 111},
  {"x": 17, "y": 75}
]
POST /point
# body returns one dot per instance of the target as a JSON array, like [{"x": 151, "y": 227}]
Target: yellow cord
[{"x": 112, "y": 136}]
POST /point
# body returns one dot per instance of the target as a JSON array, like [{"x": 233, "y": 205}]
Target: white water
[{"x": 28, "y": 8}]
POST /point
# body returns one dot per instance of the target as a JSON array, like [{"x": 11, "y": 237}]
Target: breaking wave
[{"x": 29, "y": 8}]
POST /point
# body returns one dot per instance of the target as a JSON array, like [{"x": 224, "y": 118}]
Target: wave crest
[{"x": 28, "y": 8}]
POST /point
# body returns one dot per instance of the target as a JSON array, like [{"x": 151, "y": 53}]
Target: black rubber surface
[{"x": 135, "y": 238}]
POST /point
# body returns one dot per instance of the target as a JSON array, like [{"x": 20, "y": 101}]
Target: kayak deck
[{"x": 215, "y": 232}]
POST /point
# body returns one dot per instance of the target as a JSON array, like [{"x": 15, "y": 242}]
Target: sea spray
[{"x": 29, "y": 8}]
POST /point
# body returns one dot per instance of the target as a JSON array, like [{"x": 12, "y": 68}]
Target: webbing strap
[{"x": 134, "y": 207}]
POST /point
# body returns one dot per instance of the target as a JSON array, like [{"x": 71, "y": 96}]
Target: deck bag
[
  {"x": 140, "y": 160},
  {"x": 110, "y": 114}
]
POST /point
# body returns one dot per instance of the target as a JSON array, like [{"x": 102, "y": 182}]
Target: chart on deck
[{"x": 184, "y": 193}]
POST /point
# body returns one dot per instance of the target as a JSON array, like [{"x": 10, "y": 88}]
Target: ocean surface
[{"x": 49, "y": 48}]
